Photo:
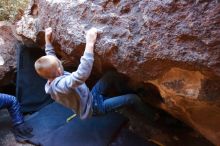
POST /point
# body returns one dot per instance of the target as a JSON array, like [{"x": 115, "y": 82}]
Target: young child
[
  {"x": 20, "y": 128},
  {"x": 70, "y": 89}
]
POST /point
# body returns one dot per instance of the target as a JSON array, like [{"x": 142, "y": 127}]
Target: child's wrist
[
  {"x": 90, "y": 41},
  {"x": 47, "y": 41},
  {"x": 89, "y": 48},
  {"x": 89, "y": 45}
]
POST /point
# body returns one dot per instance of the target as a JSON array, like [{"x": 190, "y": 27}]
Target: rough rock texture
[
  {"x": 171, "y": 45},
  {"x": 7, "y": 53}
]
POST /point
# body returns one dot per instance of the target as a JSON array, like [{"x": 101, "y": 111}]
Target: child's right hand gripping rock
[
  {"x": 91, "y": 36},
  {"x": 48, "y": 34}
]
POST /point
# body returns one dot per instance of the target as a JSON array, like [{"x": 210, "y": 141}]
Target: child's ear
[{"x": 60, "y": 70}]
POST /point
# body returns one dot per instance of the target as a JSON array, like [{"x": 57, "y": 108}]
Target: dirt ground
[
  {"x": 164, "y": 130},
  {"x": 6, "y": 137}
]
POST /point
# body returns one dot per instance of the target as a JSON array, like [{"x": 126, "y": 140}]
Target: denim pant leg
[
  {"x": 120, "y": 101},
  {"x": 108, "y": 81},
  {"x": 131, "y": 100},
  {"x": 102, "y": 105},
  {"x": 11, "y": 103}
]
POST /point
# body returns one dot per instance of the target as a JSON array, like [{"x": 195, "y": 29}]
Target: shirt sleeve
[
  {"x": 49, "y": 50},
  {"x": 80, "y": 75}
]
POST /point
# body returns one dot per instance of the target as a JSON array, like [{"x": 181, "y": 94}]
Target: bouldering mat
[
  {"x": 51, "y": 129},
  {"x": 47, "y": 120},
  {"x": 96, "y": 131},
  {"x": 29, "y": 86}
]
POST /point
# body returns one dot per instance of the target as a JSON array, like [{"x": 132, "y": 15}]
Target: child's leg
[
  {"x": 128, "y": 100},
  {"x": 103, "y": 105},
  {"x": 110, "y": 80},
  {"x": 20, "y": 129},
  {"x": 120, "y": 101},
  {"x": 11, "y": 103}
]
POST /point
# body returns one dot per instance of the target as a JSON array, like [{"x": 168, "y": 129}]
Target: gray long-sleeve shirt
[{"x": 70, "y": 89}]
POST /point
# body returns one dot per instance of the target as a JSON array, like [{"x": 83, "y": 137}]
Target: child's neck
[{"x": 50, "y": 80}]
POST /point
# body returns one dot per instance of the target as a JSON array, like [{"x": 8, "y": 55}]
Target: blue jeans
[
  {"x": 11, "y": 103},
  {"x": 103, "y": 104}
]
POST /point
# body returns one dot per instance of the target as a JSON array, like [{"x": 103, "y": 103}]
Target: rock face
[
  {"x": 7, "y": 53},
  {"x": 171, "y": 45}
]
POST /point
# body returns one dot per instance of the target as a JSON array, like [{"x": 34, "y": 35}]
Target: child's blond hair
[{"x": 49, "y": 64}]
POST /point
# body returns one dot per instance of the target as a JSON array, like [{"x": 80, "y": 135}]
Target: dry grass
[{"x": 9, "y": 9}]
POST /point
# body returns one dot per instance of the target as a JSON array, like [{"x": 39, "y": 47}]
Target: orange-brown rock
[
  {"x": 173, "y": 45},
  {"x": 7, "y": 53}
]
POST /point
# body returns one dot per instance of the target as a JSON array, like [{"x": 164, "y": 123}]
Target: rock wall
[
  {"x": 172, "y": 45},
  {"x": 7, "y": 53}
]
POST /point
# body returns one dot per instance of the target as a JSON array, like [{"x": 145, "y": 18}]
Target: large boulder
[
  {"x": 7, "y": 53},
  {"x": 171, "y": 45}
]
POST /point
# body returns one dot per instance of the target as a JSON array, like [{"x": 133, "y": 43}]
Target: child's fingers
[
  {"x": 2, "y": 61},
  {"x": 48, "y": 30},
  {"x": 93, "y": 30}
]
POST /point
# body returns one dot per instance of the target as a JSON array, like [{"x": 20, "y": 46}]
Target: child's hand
[
  {"x": 91, "y": 36},
  {"x": 48, "y": 34}
]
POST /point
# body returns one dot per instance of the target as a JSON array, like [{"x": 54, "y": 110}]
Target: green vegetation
[{"x": 9, "y": 9}]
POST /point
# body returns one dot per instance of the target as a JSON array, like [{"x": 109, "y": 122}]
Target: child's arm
[
  {"x": 49, "y": 50},
  {"x": 86, "y": 62}
]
